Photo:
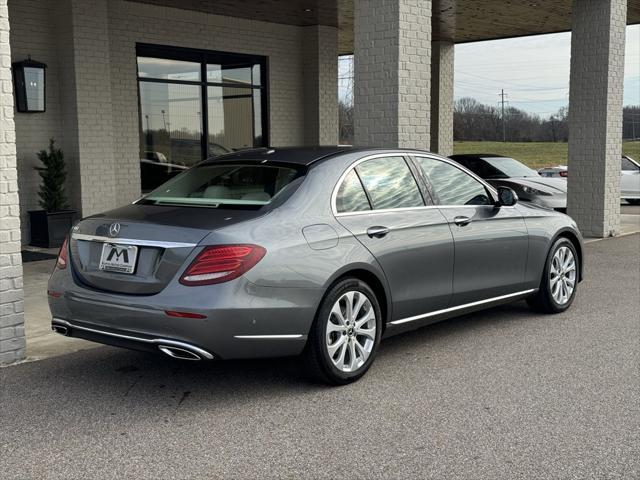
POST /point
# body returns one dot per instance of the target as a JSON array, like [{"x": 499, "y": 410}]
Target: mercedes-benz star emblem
[{"x": 114, "y": 229}]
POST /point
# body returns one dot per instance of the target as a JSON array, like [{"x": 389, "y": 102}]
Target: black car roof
[{"x": 296, "y": 155}]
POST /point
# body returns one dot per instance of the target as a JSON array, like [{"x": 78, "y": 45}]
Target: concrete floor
[
  {"x": 500, "y": 394},
  {"x": 630, "y": 218},
  {"x": 43, "y": 343}
]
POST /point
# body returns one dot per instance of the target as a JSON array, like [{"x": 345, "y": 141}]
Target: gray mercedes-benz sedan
[{"x": 314, "y": 251}]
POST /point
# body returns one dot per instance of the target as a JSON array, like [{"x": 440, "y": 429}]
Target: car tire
[
  {"x": 559, "y": 282},
  {"x": 342, "y": 344}
]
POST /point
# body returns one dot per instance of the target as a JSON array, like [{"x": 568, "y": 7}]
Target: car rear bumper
[
  {"x": 238, "y": 319},
  {"x": 132, "y": 341}
]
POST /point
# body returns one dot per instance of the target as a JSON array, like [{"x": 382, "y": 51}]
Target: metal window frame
[{"x": 204, "y": 57}]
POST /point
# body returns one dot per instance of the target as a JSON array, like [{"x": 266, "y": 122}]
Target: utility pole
[{"x": 504, "y": 126}]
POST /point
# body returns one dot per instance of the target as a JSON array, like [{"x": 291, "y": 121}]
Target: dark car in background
[
  {"x": 314, "y": 251},
  {"x": 501, "y": 171}
]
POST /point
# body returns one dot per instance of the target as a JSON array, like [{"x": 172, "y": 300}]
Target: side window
[
  {"x": 351, "y": 196},
  {"x": 628, "y": 165},
  {"x": 390, "y": 183},
  {"x": 452, "y": 185}
]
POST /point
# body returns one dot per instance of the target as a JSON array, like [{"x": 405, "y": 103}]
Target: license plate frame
[{"x": 118, "y": 258}]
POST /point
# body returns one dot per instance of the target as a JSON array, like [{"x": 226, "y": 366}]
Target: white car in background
[
  {"x": 629, "y": 178},
  {"x": 558, "y": 171}
]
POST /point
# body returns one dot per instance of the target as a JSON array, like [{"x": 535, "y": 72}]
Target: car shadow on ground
[{"x": 106, "y": 372}]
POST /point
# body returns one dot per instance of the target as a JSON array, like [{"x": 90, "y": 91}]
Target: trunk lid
[{"x": 164, "y": 237}]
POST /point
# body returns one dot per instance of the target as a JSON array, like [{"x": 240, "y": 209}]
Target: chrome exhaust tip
[
  {"x": 179, "y": 353},
  {"x": 61, "y": 329}
]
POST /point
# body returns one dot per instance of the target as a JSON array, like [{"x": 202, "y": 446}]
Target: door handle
[
  {"x": 377, "y": 232},
  {"x": 461, "y": 220}
]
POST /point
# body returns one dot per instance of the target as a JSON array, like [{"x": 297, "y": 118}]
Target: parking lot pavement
[
  {"x": 500, "y": 394},
  {"x": 629, "y": 219},
  {"x": 625, "y": 208}
]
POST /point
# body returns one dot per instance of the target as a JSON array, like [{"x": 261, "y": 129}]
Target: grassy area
[{"x": 534, "y": 154}]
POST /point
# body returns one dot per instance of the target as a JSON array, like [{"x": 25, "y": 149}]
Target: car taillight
[
  {"x": 221, "y": 263},
  {"x": 63, "y": 255},
  {"x": 563, "y": 173}
]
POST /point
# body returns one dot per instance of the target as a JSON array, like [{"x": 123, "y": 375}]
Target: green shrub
[{"x": 53, "y": 174}]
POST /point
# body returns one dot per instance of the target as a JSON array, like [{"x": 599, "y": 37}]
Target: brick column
[
  {"x": 320, "y": 72},
  {"x": 595, "y": 115},
  {"x": 392, "y": 66},
  {"x": 442, "y": 65},
  {"x": 12, "y": 341}
]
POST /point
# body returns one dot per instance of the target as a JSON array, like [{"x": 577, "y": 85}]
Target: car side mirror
[{"x": 507, "y": 197}]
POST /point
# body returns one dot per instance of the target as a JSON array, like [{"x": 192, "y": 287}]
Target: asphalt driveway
[{"x": 500, "y": 394}]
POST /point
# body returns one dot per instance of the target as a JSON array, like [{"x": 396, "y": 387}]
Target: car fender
[{"x": 371, "y": 268}]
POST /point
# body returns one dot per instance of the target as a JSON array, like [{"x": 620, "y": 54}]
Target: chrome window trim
[
  {"x": 131, "y": 241},
  {"x": 426, "y": 207},
  {"x": 402, "y": 153},
  {"x": 460, "y": 307},
  {"x": 154, "y": 341},
  {"x": 269, "y": 337}
]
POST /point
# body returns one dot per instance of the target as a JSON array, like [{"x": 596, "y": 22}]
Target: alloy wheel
[
  {"x": 562, "y": 275},
  {"x": 351, "y": 331}
]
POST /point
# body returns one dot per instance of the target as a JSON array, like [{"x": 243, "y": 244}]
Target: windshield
[
  {"x": 505, "y": 167},
  {"x": 230, "y": 185}
]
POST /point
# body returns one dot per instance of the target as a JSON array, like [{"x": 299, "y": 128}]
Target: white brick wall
[
  {"x": 320, "y": 66},
  {"x": 93, "y": 98},
  {"x": 595, "y": 115},
  {"x": 442, "y": 66},
  {"x": 12, "y": 341},
  {"x": 392, "y": 65},
  {"x": 134, "y": 22},
  {"x": 66, "y": 80},
  {"x": 32, "y": 33},
  {"x": 92, "y": 92}
]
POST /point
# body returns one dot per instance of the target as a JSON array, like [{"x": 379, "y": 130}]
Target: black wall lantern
[{"x": 29, "y": 84}]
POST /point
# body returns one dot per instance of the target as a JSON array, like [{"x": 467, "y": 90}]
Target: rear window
[
  {"x": 228, "y": 185},
  {"x": 502, "y": 167}
]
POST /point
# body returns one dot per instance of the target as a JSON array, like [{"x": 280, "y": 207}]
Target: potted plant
[{"x": 50, "y": 226}]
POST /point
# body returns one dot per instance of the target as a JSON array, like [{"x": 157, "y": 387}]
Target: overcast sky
[{"x": 534, "y": 71}]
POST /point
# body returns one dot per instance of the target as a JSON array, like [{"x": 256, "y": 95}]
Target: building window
[{"x": 196, "y": 104}]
